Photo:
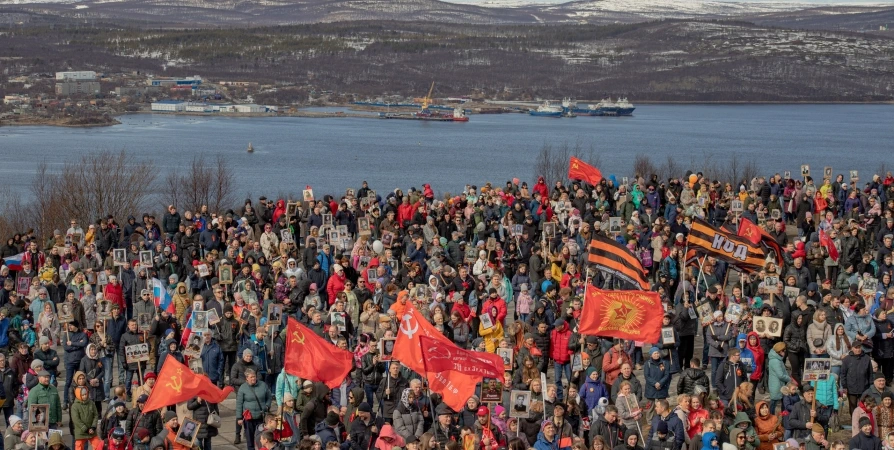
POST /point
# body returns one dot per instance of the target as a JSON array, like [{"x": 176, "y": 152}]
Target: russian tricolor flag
[
  {"x": 161, "y": 297},
  {"x": 14, "y": 262},
  {"x": 187, "y": 331}
]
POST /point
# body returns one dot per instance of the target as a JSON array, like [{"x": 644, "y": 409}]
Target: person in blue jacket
[
  {"x": 547, "y": 439},
  {"x": 212, "y": 360},
  {"x": 658, "y": 377},
  {"x": 746, "y": 356},
  {"x": 592, "y": 390},
  {"x": 75, "y": 350}
]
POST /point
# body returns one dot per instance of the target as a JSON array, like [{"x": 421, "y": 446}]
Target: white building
[
  {"x": 250, "y": 108},
  {"x": 86, "y": 75},
  {"x": 15, "y": 99},
  {"x": 168, "y": 106},
  {"x": 197, "y": 107}
]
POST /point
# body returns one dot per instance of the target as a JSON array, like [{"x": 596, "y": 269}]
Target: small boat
[{"x": 250, "y": 148}]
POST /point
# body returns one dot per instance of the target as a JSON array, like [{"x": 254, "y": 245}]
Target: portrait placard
[
  {"x": 188, "y": 432},
  {"x": 506, "y": 355},
  {"x": 199, "y": 321},
  {"x": 817, "y": 369},
  {"x": 144, "y": 321},
  {"x": 386, "y": 348},
  {"x": 225, "y": 274},
  {"x": 146, "y": 258},
  {"x": 667, "y": 336},
  {"x": 136, "y": 353},
  {"x": 521, "y": 403},
  {"x": 194, "y": 346},
  {"x": 119, "y": 256},
  {"x": 491, "y": 390},
  {"x": 274, "y": 314},
  {"x": 213, "y": 317},
  {"x": 38, "y": 418}
]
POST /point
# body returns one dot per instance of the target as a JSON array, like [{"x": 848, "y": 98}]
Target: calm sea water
[{"x": 331, "y": 154}]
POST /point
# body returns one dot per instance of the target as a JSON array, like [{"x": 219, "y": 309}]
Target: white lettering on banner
[
  {"x": 737, "y": 251},
  {"x": 446, "y": 383}
]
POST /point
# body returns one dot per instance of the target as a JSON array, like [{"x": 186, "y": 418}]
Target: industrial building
[
  {"x": 136, "y": 90},
  {"x": 171, "y": 82},
  {"x": 86, "y": 75},
  {"x": 168, "y": 106},
  {"x": 77, "y": 88}
]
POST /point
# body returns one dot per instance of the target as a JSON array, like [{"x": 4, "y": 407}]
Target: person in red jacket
[
  {"x": 540, "y": 189},
  {"x": 114, "y": 292},
  {"x": 336, "y": 282},
  {"x": 405, "y": 212},
  {"x": 559, "y": 351},
  {"x": 494, "y": 300}
]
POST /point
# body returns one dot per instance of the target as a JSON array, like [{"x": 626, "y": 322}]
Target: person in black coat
[
  {"x": 856, "y": 374},
  {"x": 609, "y": 427},
  {"x": 364, "y": 431},
  {"x": 882, "y": 344},
  {"x": 201, "y": 410},
  {"x": 729, "y": 375}
]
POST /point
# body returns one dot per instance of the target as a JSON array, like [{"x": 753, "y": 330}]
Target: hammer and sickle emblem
[
  {"x": 176, "y": 382},
  {"x": 748, "y": 232},
  {"x": 406, "y": 326},
  {"x": 575, "y": 166},
  {"x": 298, "y": 337}
]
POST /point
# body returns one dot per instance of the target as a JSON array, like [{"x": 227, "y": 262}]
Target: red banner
[
  {"x": 177, "y": 383},
  {"x": 579, "y": 170},
  {"x": 454, "y": 387},
  {"x": 632, "y": 315},
  {"x": 310, "y": 357},
  {"x": 441, "y": 357}
]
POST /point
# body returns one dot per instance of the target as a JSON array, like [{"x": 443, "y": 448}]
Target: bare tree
[
  {"x": 96, "y": 185},
  {"x": 643, "y": 166},
  {"x": 202, "y": 183}
]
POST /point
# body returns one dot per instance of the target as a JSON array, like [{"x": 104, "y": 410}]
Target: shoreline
[{"x": 304, "y": 112}]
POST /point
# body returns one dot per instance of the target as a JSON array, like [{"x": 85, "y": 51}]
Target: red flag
[
  {"x": 750, "y": 231},
  {"x": 826, "y": 241},
  {"x": 765, "y": 238},
  {"x": 310, "y": 357},
  {"x": 177, "y": 383},
  {"x": 454, "y": 387},
  {"x": 622, "y": 314},
  {"x": 441, "y": 357},
  {"x": 579, "y": 170}
]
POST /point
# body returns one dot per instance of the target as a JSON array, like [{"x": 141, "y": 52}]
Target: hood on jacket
[
  {"x": 91, "y": 347},
  {"x": 79, "y": 374},
  {"x": 358, "y": 396},
  {"x": 740, "y": 418},
  {"x": 389, "y": 439},
  {"x": 742, "y": 338},
  {"x": 706, "y": 441},
  {"x": 755, "y": 347}
]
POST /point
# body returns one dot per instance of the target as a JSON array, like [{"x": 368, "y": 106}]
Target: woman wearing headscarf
[{"x": 408, "y": 421}]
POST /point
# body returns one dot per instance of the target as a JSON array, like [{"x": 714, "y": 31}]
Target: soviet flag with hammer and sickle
[{"x": 310, "y": 357}]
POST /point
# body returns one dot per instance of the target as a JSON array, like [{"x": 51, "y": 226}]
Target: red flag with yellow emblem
[
  {"x": 579, "y": 170},
  {"x": 310, "y": 357},
  {"x": 633, "y": 315},
  {"x": 176, "y": 383}
]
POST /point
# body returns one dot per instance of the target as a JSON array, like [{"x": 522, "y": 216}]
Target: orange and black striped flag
[
  {"x": 726, "y": 246},
  {"x": 610, "y": 256}
]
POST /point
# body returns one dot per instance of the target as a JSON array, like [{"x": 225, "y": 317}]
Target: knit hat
[
  {"x": 779, "y": 347},
  {"x": 865, "y": 421},
  {"x": 661, "y": 427},
  {"x": 149, "y": 376},
  {"x": 14, "y": 419},
  {"x": 364, "y": 407},
  {"x": 37, "y": 365},
  {"x": 141, "y": 433},
  {"x": 55, "y": 439},
  {"x": 654, "y": 350},
  {"x": 307, "y": 383},
  {"x": 44, "y": 340},
  {"x": 287, "y": 396},
  {"x": 545, "y": 424},
  {"x": 25, "y": 435},
  {"x": 143, "y": 398},
  {"x": 877, "y": 376},
  {"x": 247, "y": 352},
  {"x": 169, "y": 415}
]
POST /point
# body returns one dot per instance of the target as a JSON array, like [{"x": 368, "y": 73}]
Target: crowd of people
[{"x": 500, "y": 269}]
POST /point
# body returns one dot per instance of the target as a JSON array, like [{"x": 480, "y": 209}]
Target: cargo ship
[
  {"x": 547, "y": 110},
  {"x": 606, "y": 107},
  {"x": 458, "y": 115}
]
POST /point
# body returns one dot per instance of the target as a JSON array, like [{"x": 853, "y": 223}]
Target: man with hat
[
  {"x": 546, "y": 439},
  {"x": 491, "y": 437},
  {"x": 444, "y": 430},
  {"x": 13, "y": 435},
  {"x": 878, "y": 389},
  {"x": 150, "y": 421},
  {"x": 47, "y": 355},
  {"x": 805, "y": 415},
  {"x": 167, "y": 436},
  {"x": 662, "y": 438},
  {"x": 865, "y": 439},
  {"x": 330, "y": 429},
  {"x": 856, "y": 373},
  {"x": 363, "y": 428},
  {"x": 75, "y": 349}
]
